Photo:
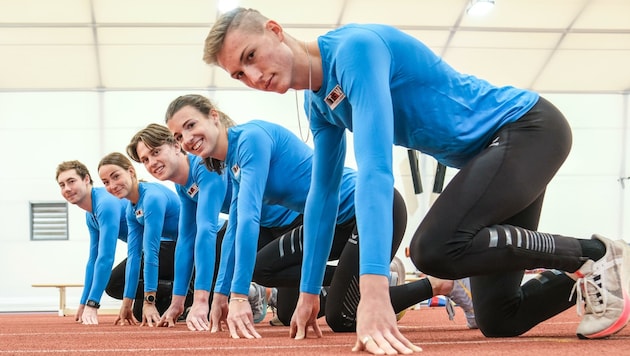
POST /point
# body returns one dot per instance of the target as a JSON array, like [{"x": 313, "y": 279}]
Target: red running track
[{"x": 49, "y": 334}]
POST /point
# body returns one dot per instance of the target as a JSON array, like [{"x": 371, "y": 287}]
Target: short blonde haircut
[{"x": 249, "y": 20}]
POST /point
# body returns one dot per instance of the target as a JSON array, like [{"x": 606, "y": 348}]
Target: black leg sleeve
[{"x": 409, "y": 294}]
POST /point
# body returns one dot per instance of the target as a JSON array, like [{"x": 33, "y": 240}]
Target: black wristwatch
[
  {"x": 150, "y": 299},
  {"x": 93, "y": 304}
]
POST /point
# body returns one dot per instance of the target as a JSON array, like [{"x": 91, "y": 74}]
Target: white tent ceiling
[{"x": 545, "y": 45}]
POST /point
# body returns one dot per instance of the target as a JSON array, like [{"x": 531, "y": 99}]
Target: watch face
[{"x": 150, "y": 298}]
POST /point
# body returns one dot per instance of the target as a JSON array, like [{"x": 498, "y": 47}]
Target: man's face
[
  {"x": 261, "y": 61},
  {"x": 73, "y": 188},
  {"x": 162, "y": 161}
]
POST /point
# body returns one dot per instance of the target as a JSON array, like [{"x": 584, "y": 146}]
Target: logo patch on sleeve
[
  {"x": 335, "y": 97},
  {"x": 236, "y": 171},
  {"x": 193, "y": 190}
]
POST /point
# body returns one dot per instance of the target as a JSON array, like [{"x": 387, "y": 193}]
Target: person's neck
[
  {"x": 313, "y": 78},
  {"x": 134, "y": 194},
  {"x": 220, "y": 151},
  {"x": 86, "y": 203},
  {"x": 183, "y": 170}
]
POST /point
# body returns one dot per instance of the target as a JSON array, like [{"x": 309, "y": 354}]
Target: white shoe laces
[{"x": 591, "y": 298}]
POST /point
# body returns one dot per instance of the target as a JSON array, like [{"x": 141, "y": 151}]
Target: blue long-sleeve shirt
[
  {"x": 106, "y": 224},
  {"x": 153, "y": 218},
  {"x": 268, "y": 164},
  {"x": 203, "y": 197},
  {"x": 397, "y": 92}
]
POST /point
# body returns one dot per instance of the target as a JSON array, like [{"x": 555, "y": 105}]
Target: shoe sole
[
  {"x": 624, "y": 318},
  {"x": 615, "y": 327}
]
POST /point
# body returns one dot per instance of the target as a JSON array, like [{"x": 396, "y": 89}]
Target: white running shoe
[
  {"x": 462, "y": 297},
  {"x": 258, "y": 301},
  {"x": 603, "y": 291}
]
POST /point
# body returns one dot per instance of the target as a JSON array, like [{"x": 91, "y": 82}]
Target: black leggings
[
  {"x": 279, "y": 265},
  {"x": 484, "y": 225},
  {"x": 116, "y": 285}
]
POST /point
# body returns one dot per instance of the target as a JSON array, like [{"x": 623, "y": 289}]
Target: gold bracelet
[{"x": 238, "y": 299}]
